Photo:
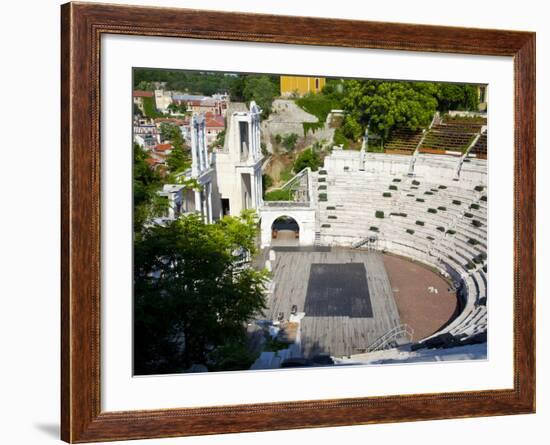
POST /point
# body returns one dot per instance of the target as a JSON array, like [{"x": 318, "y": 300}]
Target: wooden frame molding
[{"x": 81, "y": 28}]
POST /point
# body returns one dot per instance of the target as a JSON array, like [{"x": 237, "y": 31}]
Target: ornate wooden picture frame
[{"x": 82, "y": 26}]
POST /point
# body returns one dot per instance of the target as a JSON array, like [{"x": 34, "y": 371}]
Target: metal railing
[{"x": 398, "y": 332}]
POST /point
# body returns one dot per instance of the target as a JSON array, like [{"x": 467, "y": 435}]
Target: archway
[{"x": 285, "y": 231}]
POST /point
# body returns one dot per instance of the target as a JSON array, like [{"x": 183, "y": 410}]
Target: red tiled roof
[
  {"x": 163, "y": 147},
  {"x": 138, "y": 93},
  {"x": 215, "y": 121}
]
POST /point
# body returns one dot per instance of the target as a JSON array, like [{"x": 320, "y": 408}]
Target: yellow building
[{"x": 301, "y": 85}]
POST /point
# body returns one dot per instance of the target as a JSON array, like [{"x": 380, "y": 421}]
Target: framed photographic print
[{"x": 276, "y": 222}]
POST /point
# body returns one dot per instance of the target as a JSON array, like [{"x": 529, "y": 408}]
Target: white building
[{"x": 239, "y": 164}]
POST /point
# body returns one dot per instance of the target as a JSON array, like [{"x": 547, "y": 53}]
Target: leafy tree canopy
[
  {"x": 308, "y": 158},
  {"x": 386, "y": 105},
  {"x": 191, "y": 298},
  {"x": 261, "y": 90},
  {"x": 147, "y": 203}
]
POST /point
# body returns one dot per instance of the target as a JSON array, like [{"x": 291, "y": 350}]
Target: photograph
[{"x": 289, "y": 221}]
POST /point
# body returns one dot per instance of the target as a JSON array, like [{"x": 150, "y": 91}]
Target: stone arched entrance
[
  {"x": 285, "y": 231},
  {"x": 300, "y": 222}
]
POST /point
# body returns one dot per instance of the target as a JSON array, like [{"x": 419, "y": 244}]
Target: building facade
[{"x": 301, "y": 85}]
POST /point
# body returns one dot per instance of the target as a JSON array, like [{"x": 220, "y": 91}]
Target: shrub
[
  {"x": 393, "y": 187},
  {"x": 325, "y": 226},
  {"x": 331, "y": 208},
  {"x": 474, "y": 206},
  {"x": 442, "y": 187},
  {"x": 346, "y": 168},
  {"x": 404, "y": 215},
  {"x": 321, "y": 179},
  {"x": 428, "y": 193},
  {"x": 322, "y": 197},
  {"x": 442, "y": 208},
  {"x": 415, "y": 182},
  {"x": 267, "y": 181},
  {"x": 322, "y": 172},
  {"x": 419, "y": 200},
  {"x": 470, "y": 265},
  {"x": 278, "y": 195},
  {"x": 485, "y": 268},
  {"x": 419, "y": 223},
  {"x": 483, "y": 255},
  {"x": 396, "y": 180},
  {"x": 451, "y": 232},
  {"x": 432, "y": 210},
  {"x": 386, "y": 195},
  {"x": 479, "y": 188},
  {"x": 431, "y": 238},
  {"x": 322, "y": 187},
  {"x": 410, "y": 231},
  {"x": 434, "y": 190},
  {"x": 307, "y": 158},
  {"x": 413, "y": 187},
  {"x": 476, "y": 223},
  {"x": 441, "y": 229},
  {"x": 473, "y": 242},
  {"x": 332, "y": 217},
  {"x": 457, "y": 202},
  {"x": 468, "y": 215},
  {"x": 373, "y": 228},
  {"x": 379, "y": 214},
  {"x": 410, "y": 195},
  {"x": 483, "y": 198}
]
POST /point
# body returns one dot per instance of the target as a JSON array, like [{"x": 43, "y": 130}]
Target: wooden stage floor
[{"x": 344, "y": 317}]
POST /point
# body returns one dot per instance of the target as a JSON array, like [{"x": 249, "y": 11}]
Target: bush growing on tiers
[
  {"x": 410, "y": 195},
  {"x": 393, "y": 187},
  {"x": 470, "y": 265},
  {"x": 322, "y": 197},
  {"x": 483, "y": 198},
  {"x": 428, "y": 193},
  {"x": 373, "y": 228},
  {"x": 430, "y": 210},
  {"x": 404, "y": 215},
  {"x": 468, "y": 215},
  {"x": 441, "y": 229},
  {"x": 396, "y": 180},
  {"x": 379, "y": 214},
  {"x": 414, "y": 187},
  {"x": 479, "y": 188},
  {"x": 322, "y": 172},
  {"x": 346, "y": 168},
  {"x": 410, "y": 231},
  {"x": 442, "y": 187},
  {"x": 386, "y": 195},
  {"x": 415, "y": 182},
  {"x": 321, "y": 179},
  {"x": 474, "y": 206},
  {"x": 325, "y": 226},
  {"x": 442, "y": 208},
  {"x": 473, "y": 242},
  {"x": 476, "y": 223},
  {"x": 457, "y": 202},
  {"x": 419, "y": 223},
  {"x": 322, "y": 187},
  {"x": 419, "y": 200},
  {"x": 331, "y": 208},
  {"x": 332, "y": 217},
  {"x": 451, "y": 232},
  {"x": 431, "y": 238}
]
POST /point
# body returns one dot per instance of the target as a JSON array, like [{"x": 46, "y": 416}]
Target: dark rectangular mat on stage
[{"x": 338, "y": 290}]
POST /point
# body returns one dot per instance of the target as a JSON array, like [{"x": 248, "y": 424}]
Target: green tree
[
  {"x": 178, "y": 160},
  {"x": 452, "y": 96},
  {"x": 192, "y": 300},
  {"x": 386, "y": 105},
  {"x": 261, "y": 90},
  {"x": 308, "y": 158},
  {"x": 289, "y": 141},
  {"x": 146, "y": 183}
]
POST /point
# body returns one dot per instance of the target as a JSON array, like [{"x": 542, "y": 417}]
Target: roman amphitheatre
[{"x": 382, "y": 257}]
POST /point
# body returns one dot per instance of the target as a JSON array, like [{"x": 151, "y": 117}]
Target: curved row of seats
[{"x": 434, "y": 218}]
